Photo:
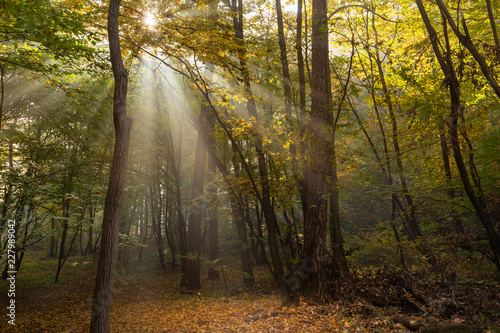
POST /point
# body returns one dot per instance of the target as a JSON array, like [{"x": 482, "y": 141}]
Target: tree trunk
[
  {"x": 213, "y": 223},
  {"x": 168, "y": 234},
  {"x": 302, "y": 182},
  {"x": 319, "y": 158},
  {"x": 7, "y": 191},
  {"x": 284, "y": 61},
  {"x": 193, "y": 264},
  {"x": 53, "y": 242},
  {"x": 65, "y": 205},
  {"x": 239, "y": 218},
  {"x": 236, "y": 201},
  {"x": 300, "y": 59},
  {"x": 100, "y": 318},
  {"x": 2, "y": 90},
  {"x": 457, "y": 221},
  {"x": 246, "y": 261},
  {"x": 181, "y": 227},
  {"x": 493, "y": 28},
  {"x": 339, "y": 263},
  {"x": 89, "y": 249},
  {"x": 156, "y": 222}
]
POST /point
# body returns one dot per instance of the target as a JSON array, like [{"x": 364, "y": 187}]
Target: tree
[
  {"x": 100, "y": 320},
  {"x": 61, "y": 35},
  {"x": 466, "y": 40},
  {"x": 453, "y": 84},
  {"x": 319, "y": 159},
  {"x": 193, "y": 265}
]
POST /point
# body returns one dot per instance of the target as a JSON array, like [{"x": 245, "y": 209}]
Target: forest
[{"x": 250, "y": 166}]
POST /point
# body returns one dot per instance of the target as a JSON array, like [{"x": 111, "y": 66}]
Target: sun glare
[{"x": 149, "y": 20}]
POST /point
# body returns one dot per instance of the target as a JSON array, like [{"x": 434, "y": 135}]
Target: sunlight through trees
[{"x": 348, "y": 154}]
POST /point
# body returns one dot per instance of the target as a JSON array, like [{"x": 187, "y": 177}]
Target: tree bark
[
  {"x": 156, "y": 219},
  {"x": 445, "y": 154},
  {"x": 300, "y": 58},
  {"x": 168, "y": 234},
  {"x": 89, "y": 248},
  {"x": 65, "y": 206},
  {"x": 239, "y": 218},
  {"x": 284, "y": 61},
  {"x": 319, "y": 161},
  {"x": 213, "y": 223},
  {"x": 100, "y": 317},
  {"x": 302, "y": 182},
  {"x": 193, "y": 264}
]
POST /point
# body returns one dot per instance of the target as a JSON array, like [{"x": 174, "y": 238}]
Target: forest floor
[{"x": 146, "y": 300}]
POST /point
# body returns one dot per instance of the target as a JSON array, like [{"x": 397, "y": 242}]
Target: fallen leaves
[
  {"x": 152, "y": 302},
  {"x": 147, "y": 304}
]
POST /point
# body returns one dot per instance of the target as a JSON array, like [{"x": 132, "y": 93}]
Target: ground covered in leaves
[{"x": 146, "y": 300}]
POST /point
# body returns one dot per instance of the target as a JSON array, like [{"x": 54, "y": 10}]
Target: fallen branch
[{"x": 431, "y": 325}]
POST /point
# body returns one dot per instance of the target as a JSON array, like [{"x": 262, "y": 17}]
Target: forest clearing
[
  {"x": 147, "y": 300},
  {"x": 250, "y": 166}
]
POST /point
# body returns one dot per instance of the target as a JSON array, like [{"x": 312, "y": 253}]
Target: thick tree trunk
[
  {"x": 339, "y": 263},
  {"x": 100, "y": 318},
  {"x": 193, "y": 264},
  {"x": 319, "y": 161}
]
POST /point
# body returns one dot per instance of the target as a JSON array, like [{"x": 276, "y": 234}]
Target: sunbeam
[{"x": 150, "y": 20}]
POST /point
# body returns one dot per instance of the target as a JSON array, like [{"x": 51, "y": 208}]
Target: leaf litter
[{"x": 150, "y": 301}]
